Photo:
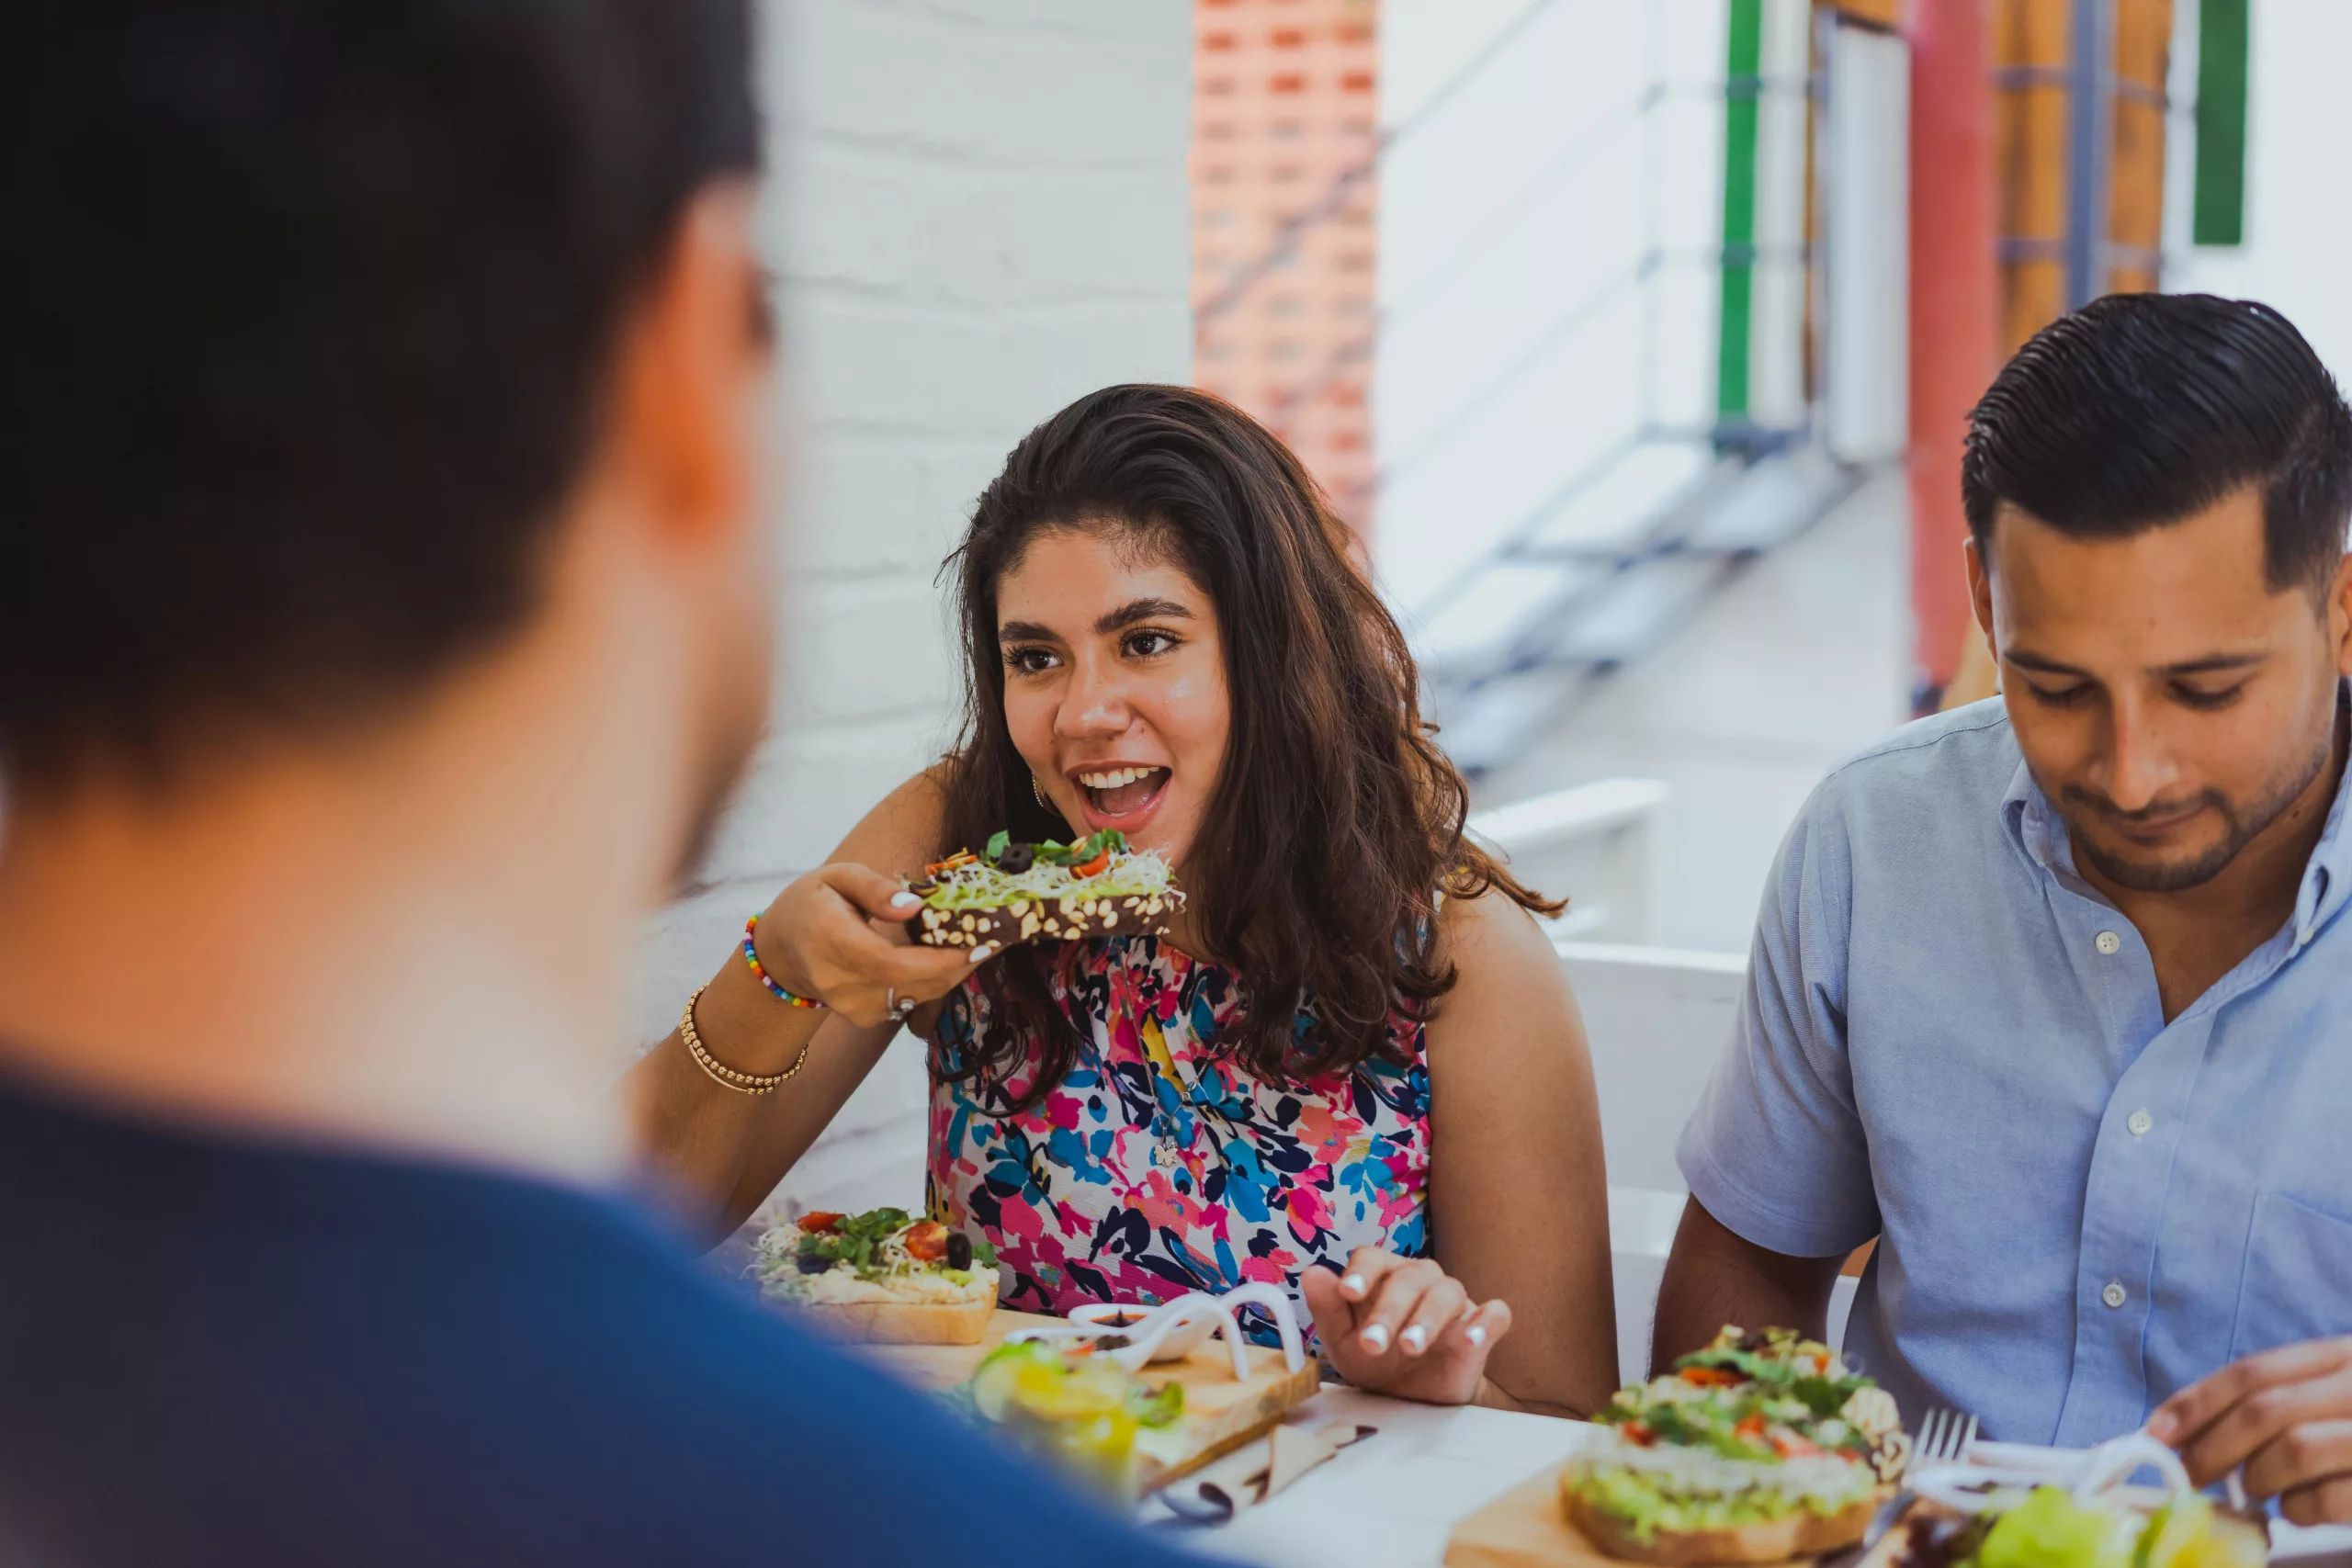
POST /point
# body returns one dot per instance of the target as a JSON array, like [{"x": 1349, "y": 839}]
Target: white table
[{"x": 1391, "y": 1500}]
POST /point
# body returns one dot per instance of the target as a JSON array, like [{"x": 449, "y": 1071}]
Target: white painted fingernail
[
  {"x": 1475, "y": 1334},
  {"x": 983, "y": 952},
  {"x": 1354, "y": 1285},
  {"x": 1414, "y": 1338},
  {"x": 903, "y": 900},
  {"x": 1375, "y": 1337}
]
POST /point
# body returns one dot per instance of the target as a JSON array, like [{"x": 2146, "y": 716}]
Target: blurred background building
[
  {"x": 1633, "y": 337},
  {"x": 1669, "y": 297}
]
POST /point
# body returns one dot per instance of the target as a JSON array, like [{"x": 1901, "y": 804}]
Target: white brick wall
[{"x": 977, "y": 212}]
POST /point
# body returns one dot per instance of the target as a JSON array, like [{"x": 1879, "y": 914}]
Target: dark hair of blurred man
[{"x": 382, "y": 618}]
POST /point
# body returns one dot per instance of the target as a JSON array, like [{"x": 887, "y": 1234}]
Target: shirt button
[
  {"x": 2107, "y": 941},
  {"x": 2113, "y": 1294},
  {"x": 2140, "y": 1121}
]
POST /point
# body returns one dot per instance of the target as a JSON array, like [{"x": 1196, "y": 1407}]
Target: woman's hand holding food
[
  {"x": 1403, "y": 1327},
  {"x": 836, "y": 936}
]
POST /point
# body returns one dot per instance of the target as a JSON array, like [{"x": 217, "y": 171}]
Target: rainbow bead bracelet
[{"x": 760, "y": 972}]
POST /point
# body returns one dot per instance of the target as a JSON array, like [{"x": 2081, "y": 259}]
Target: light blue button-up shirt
[{"x": 1950, "y": 1041}]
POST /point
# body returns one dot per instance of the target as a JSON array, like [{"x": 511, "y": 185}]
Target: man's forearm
[{"x": 1715, "y": 1277}]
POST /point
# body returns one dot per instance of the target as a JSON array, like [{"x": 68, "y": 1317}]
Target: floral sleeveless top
[{"x": 1160, "y": 1166}]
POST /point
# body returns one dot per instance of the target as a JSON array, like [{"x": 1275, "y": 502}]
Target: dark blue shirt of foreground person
[{"x": 251, "y": 1353}]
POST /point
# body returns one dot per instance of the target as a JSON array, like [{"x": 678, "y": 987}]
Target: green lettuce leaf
[
  {"x": 2049, "y": 1530},
  {"x": 1646, "y": 1510},
  {"x": 1163, "y": 1408}
]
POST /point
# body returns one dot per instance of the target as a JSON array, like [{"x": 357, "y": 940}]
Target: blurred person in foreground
[
  {"x": 382, "y": 620},
  {"x": 2052, "y": 993}
]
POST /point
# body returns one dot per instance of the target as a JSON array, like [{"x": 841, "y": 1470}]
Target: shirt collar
[
  {"x": 2327, "y": 880},
  {"x": 2040, "y": 832},
  {"x": 2036, "y": 830}
]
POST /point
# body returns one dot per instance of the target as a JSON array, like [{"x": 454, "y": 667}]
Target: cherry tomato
[
  {"x": 820, "y": 1220},
  {"x": 1094, "y": 867},
  {"x": 1712, "y": 1377},
  {"x": 1638, "y": 1434},
  {"x": 927, "y": 1241}
]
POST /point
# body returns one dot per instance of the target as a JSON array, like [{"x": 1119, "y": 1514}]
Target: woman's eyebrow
[
  {"x": 1135, "y": 610},
  {"x": 1024, "y": 631}
]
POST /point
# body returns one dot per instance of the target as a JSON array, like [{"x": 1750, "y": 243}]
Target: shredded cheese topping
[
  {"x": 901, "y": 1276},
  {"x": 1131, "y": 873}
]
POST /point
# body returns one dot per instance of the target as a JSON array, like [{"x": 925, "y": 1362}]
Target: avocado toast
[
  {"x": 1053, "y": 892},
  {"x": 1760, "y": 1447}
]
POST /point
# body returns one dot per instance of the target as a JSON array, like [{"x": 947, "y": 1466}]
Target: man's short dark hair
[
  {"x": 308, "y": 307},
  {"x": 2140, "y": 409}
]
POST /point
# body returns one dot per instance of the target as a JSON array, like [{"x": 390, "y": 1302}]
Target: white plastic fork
[{"x": 1945, "y": 1437}]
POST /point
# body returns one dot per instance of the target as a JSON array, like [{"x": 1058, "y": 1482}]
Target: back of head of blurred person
[
  {"x": 382, "y": 389},
  {"x": 382, "y": 621}
]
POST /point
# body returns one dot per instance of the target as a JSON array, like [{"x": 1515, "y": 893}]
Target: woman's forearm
[
  {"x": 716, "y": 1151},
  {"x": 1494, "y": 1396}
]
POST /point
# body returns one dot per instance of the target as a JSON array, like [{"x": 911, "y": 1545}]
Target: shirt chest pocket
[{"x": 2298, "y": 1279}]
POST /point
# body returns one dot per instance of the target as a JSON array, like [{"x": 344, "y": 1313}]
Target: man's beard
[{"x": 2240, "y": 827}]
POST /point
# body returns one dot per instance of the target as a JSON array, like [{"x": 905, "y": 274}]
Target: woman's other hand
[
  {"x": 837, "y": 935},
  {"x": 1403, "y": 1326}
]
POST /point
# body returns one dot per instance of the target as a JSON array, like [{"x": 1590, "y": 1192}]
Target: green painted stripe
[
  {"x": 2219, "y": 214},
  {"x": 1742, "y": 84}
]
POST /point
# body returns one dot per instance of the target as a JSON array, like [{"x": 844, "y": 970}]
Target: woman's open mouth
[{"x": 1121, "y": 796}]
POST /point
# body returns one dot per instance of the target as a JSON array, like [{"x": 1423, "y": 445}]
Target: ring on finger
[{"x": 899, "y": 1009}]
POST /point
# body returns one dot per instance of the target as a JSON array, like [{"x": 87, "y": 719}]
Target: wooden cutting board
[
  {"x": 1220, "y": 1414},
  {"x": 1527, "y": 1527}
]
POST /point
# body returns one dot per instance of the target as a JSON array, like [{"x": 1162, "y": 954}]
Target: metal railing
[{"x": 1592, "y": 583}]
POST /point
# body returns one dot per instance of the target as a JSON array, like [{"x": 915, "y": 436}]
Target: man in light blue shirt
[{"x": 2052, "y": 995}]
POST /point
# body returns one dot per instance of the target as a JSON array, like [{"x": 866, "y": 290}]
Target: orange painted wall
[{"x": 1284, "y": 253}]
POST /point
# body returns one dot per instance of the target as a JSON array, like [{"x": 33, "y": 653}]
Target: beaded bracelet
[
  {"x": 759, "y": 971},
  {"x": 722, "y": 1075}
]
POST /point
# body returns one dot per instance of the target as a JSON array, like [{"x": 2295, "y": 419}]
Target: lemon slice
[{"x": 1050, "y": 1393}]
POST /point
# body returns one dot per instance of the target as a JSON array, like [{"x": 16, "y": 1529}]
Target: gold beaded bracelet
[{"x": 722, "y": 1075}]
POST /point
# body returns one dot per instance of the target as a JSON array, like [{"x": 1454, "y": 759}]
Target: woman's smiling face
[{"x": 1114, "y": 684}]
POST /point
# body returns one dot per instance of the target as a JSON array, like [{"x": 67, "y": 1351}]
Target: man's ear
[
  {"x": 2339, "y": 614},
  {"x": 1979, "y": 593},
  {"x": 693, "y": 351}
]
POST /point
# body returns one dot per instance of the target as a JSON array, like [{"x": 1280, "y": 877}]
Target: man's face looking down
[{"x": 2170, "y": 703}]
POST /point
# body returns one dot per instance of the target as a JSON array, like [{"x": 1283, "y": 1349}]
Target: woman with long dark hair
[{"x": 1352, "y": 1067}]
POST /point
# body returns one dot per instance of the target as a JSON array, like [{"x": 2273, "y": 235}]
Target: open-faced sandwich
[
  {"x": 1079, "y": 1410},
  {"x": 1053, "y": 892},
  {"x": 881, "y": 1277},
  {"x": 1760, "y": 1448}
]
